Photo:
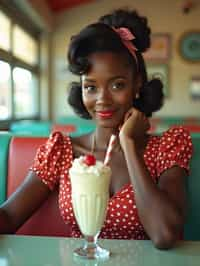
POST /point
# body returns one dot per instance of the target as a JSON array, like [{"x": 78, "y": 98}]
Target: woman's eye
[
  {"x": 89, "y": 89},
  {"x": 118, "y": 85}
]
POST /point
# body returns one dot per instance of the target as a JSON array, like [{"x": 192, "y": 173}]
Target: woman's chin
[{"x": 106, "y": 123}]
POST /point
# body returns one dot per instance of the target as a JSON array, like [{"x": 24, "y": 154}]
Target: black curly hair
[{"x": 99, "y": 37}]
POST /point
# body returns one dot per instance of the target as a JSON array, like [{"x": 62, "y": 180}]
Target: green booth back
[
  {"x": 192, "y": 227},
  {"x": 4, "y": 146},
  {"x": 31, "y": 128},
  {"x": 83, "y": 126},
  {"x": 172, "y": 120}
]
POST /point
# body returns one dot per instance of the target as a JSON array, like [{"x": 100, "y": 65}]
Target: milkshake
[
  {"x": 90, "y": 193},
  {"x": 90, "y": 180}
]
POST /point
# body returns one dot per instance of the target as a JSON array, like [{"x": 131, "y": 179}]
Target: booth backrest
[
  {"x": 192, "y": 226},
  {"x": 46, "y": 220},
  {"x": 31, "y": 128},
  {"x": 4, "y": 147}
]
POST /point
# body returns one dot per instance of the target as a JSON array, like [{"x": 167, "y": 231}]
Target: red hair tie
[{"x": 126, "y": 37}]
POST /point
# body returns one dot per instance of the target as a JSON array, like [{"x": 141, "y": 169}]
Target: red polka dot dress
[{"x": 53, "y": 160}]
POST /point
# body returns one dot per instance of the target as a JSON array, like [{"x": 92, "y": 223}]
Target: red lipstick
[{"x": 105, "y": 114}]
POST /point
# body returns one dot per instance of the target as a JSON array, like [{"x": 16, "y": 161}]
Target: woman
[{"x": 147, "y": 193}]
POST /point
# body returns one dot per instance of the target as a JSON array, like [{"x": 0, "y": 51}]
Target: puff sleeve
[
  {"x": 175, "y": 149},
  {"x": 49, "y": 159}
]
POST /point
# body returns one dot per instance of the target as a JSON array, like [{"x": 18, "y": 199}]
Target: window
[
  {"x": 19, "y": 69},
  {"x": 5, "y": 28},
  {"x": 5, "y": 91},
  {"x": 26, "y": 48},
  {"x": 25, "y": 95}
]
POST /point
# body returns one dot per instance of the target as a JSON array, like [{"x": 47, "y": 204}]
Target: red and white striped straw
[{"x": 111, "y": 145}]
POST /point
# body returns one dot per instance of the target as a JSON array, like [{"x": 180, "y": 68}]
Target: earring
[{"x": 137, "y": 96}]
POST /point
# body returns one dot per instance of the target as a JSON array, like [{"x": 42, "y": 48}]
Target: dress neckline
[{"x": 127, "y": 185}]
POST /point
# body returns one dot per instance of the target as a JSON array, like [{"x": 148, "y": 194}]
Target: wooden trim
[
  {"x": 5, "y": 56},
  {"x": 20, "y": 18},
  {"x": 5, "y": 124},
  {"x": 8, "y": 57}
]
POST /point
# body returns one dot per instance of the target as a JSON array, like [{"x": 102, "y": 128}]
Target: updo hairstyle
[{"x": 100, "y": 37}]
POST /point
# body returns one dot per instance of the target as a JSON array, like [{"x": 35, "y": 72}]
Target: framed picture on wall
[
  {"x": 160, "y": 71},
  {"x": 189, "y": 46},
  {"x": 160, "y": 49},
  {"x": 194, "y": 87}
]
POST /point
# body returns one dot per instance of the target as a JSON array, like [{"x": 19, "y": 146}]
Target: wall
[
  {"x": 165, "y": 17},
  {"x": 40, "y": 13},
  {"x": 45, "y": 78}
]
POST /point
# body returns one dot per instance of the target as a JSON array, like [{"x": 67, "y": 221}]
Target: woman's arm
[
  {"x": 22, "y": 203},
  {"x": 161, "y": 207}
]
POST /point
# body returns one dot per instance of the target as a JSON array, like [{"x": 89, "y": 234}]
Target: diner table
[{"x": 18, "y": 250}]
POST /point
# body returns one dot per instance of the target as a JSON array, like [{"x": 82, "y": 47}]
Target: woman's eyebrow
[
  {"x": 116, "y": 77},
  {"x": 110, "y": 79},
  {"x": 88, "y": 80}
]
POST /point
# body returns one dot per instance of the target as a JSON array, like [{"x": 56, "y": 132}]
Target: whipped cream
[{"x": 80, "y": 167}]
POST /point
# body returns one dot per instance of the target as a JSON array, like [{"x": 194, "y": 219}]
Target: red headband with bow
[{"x": 126, "y": 37}]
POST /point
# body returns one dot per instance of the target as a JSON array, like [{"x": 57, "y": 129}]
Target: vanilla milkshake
[{"x": 90, "y": 180}]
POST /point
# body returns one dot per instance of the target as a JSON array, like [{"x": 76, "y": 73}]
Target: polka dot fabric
[
  {"x": 174, "y": 149},
  {"x": 54, "y": 159}
]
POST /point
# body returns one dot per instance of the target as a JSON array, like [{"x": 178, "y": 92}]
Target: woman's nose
[{"x": 103, "y": 96}]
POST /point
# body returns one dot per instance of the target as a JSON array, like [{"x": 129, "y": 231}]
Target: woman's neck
[{"x": 102, "y": 137}]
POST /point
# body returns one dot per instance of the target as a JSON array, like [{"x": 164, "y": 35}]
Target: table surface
[{"x": 58, "y": 251}]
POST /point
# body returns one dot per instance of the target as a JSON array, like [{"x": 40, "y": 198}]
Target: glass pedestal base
[
  {"x": 91, "y": 250},
  {"x": 92, "y": 253}
]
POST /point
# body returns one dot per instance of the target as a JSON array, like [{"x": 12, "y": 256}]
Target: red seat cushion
[
  {"x": 192, "y": 128},
  {"x": 46, "y": 221}
]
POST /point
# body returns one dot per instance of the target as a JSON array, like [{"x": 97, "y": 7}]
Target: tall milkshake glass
[{"x": 90, "y": 180}]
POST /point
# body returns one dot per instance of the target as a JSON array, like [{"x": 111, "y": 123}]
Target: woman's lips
[{"x": 105, "y": 114}]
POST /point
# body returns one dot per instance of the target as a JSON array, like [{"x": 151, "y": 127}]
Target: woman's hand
[{"x": 135, "y": 125}]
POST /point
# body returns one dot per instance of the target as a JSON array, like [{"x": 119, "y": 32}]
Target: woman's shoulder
[
  {"x": 57, "y": 144},
  {"x": 172, "y": 132},
  {"x": 174, "y": 136},
  {"x": 177, "y": 133},
  {"x": 57, "y": 138},
  {"x": 175, "y": 148},
  {"x": 79, "y": 145},
  {"x": 177, "y": 130},
  {"x": 175, "y": 142}
]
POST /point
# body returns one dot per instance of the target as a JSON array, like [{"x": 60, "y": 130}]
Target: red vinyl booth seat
[
  {"x": 46, "y": 221},
  {"x": 192, "y": 128}
]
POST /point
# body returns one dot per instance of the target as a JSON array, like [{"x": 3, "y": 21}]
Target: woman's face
[{"x": 109, "y": 88}]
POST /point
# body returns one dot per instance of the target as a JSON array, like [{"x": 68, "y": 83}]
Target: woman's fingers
[
  {"x": 146, "y": 123},
  {"x": 128, "y": 114}
]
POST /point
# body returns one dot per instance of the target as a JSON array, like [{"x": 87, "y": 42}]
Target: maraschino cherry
[{"x": 89, "y": 160}]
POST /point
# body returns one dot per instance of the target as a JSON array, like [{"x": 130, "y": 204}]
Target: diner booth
[{"x": 34, "y": 87}]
